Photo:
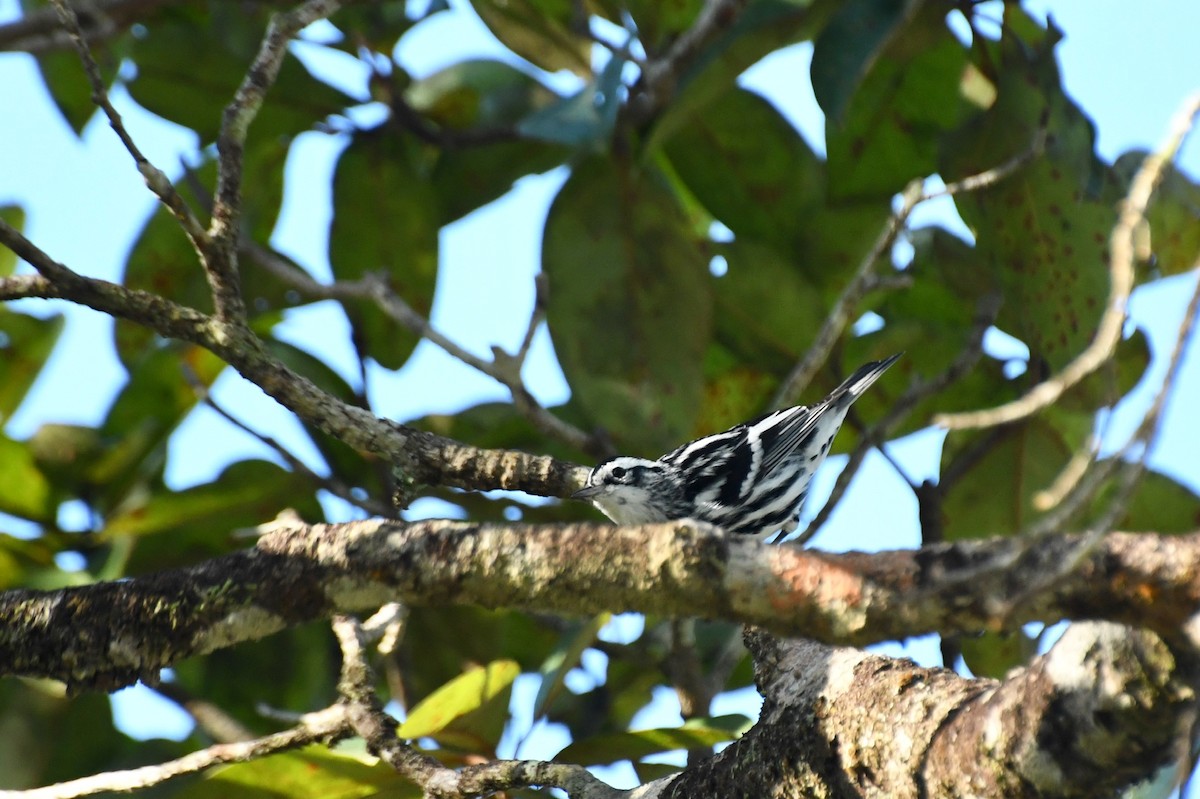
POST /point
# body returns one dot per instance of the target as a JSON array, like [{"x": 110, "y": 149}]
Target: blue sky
[{"x": 1128, "y": 67}]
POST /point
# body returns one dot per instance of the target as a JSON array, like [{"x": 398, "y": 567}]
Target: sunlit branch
[
  {"x": 324, "y": 725},
  {"x": 1127, "y": 471},
  {"x": 1121, "y": 276}
]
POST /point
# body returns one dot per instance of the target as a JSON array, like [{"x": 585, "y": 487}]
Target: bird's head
[{"x": 630, "y": 490}]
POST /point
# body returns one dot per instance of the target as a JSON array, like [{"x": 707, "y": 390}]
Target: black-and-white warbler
[{"x": 749, "y": 479}]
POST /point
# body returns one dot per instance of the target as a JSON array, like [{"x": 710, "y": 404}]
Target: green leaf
[
  {"x": 246, "y": 493},
  {"x": 36, "y": 713},
  {"x": 657, "y": 23},
  {"x": 563, "y": 659},
  {"x": 24, "y": 490},
  {"x": 1043, "y": 230},
  {"x": 995, "y": 654},
  {"x": 348, "y": 464},
  {"x": 770, "y": 335},
  {"x": 849, "y": 46},
  {"x": 539, "y": 31},
  {"x": 749, "y": 167},
  {"x": 1159, "y": 504},
  {"x": 746, "y": 164},
  {"x": 496, "y": 425},
  {"x": 312, "y": 772},
  {"x": 694, "y": 734},
  {"x": 66, "y": 81},
  {"x": 1114, "y": 379},
  {"x": 67, "y": 454},
  {"x": 477, "y": 93},
  {"x": 25, "y": 344},
  {"x": 377, "y": 26},
  {"x": 25, "y": 563},
  {"x": 763, "y": 27},
  {"x": 1004, "y": 468},
  {"x": 438, "y": 641},
  {"x": 160, "y": 393},
  {"x": 891, "y": 128},
  {"x": 294, "y": 669},
  {"x": 736, "y": 388},
  {"x": 630, "y": 308},
  {"x": 162, "y": 261},
  {"x": 482, "y": 94},
  {"x": 648, "y": 772},
  {"x": 14, "y": 215},
  {"x": 385, "y": 220},
  {"x": 1173, "y": 214},
  {"x": 190, "y": 64},
  {"x": 470, "y": 177},
  {"x": 468, "y": 712}
]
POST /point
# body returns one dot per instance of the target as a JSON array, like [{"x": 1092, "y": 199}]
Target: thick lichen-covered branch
[
  {"x": 1104, "y": 707},
  {"x": 111, "y": 634},
  {"x": 1103, "y": 710}
]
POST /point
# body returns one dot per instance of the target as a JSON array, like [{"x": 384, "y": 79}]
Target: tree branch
[
  {"x": 422, "y": 458},
  {"x": 985, "y": 316},
  {"x": 660, "y": 76},
  {"x": 298, "y": 573},
  {"x": 225, "y": 229},
  {"x": 379, "y": 729},
  {"x": 39, "y": 30},
  {"x": 503, "y": 368},
  {"x": 324, "y": 725},
  {"x": 1099, "y": 712},
  {"x": 156, "y": 179}
]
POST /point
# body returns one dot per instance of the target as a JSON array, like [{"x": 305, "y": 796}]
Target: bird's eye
[{"x": 619, "y": 472}]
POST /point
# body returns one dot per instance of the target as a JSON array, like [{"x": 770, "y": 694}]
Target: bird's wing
[
  {"x": 781, "y": 433},
  {"x": 718, "y": 469}
]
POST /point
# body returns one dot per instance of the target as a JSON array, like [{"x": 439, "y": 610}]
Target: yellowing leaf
[{"x": 478, "y": 689}]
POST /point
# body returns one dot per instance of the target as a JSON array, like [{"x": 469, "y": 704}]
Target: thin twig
[
  {"x": 1128, "y": 472},
  {"x": 212, "y": 720},
  {"x": 989, "y": 306},
  {"x": 324, "y": 725},
  {"x": 1121, "y": 272},
  {"x": 1069, "y": 477},
  {"x": 379, "y": 730},
  {"x": 444, "y": 137},
  {"x": 156, "y": 180},
  {"x": 331, "y": 484},
  {"x": 225, "y": 229},
  {"x": 503, "y": 368},
  {"x": 38, "y": 30},
  {"x": 388, "y": 626},
  {"x": 840, "y": 315}
]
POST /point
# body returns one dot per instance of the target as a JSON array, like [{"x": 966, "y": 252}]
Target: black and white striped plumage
[{"x": 750, "y": 479}]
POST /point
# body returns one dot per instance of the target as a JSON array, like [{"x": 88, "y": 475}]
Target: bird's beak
[{"x": 588, "y": 492}]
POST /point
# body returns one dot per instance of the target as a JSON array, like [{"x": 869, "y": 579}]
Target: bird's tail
[{"x": 853, "y": 386}]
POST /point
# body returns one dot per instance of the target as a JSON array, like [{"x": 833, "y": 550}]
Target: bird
[{"x": 750, "y": 479}]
